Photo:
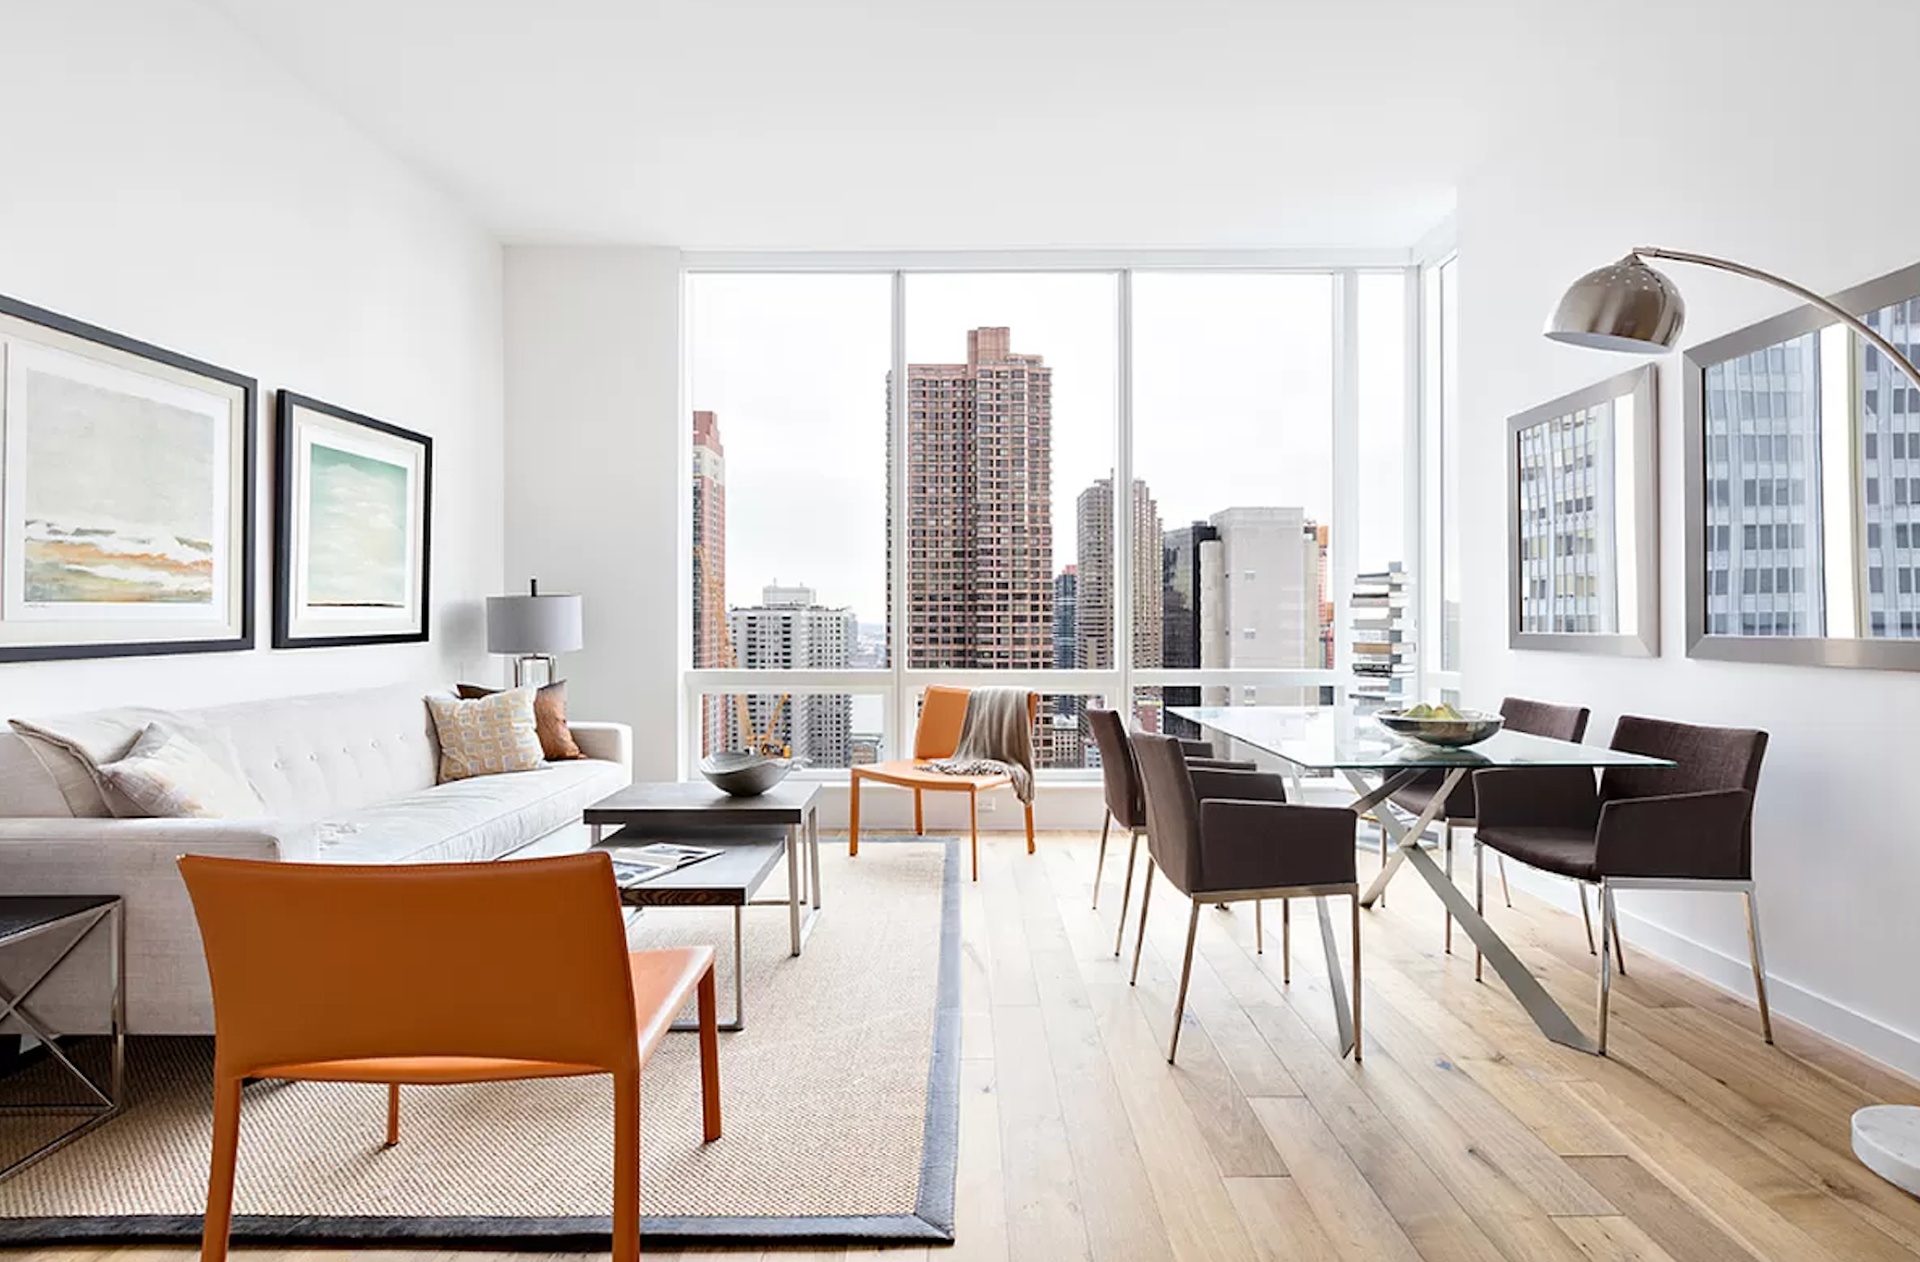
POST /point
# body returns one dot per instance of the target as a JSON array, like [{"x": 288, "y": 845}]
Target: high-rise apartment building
[
  {"x": 979, "y": 527},
  {"x": 1094, "y": 616},
  {"x": 790, "y": 630},
  {"x": 1567, "y": 554},
  {"x": 1261, "y": 601},
  {"x": 1765, "y": 574},
  {"x": 1180, "y": 575},
  {"x": 1066, "y": 623},
  {"x": 710, "y": 569},
  {"x": 1890, "y": 466}
]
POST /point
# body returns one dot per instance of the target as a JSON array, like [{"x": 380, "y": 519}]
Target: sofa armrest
[
  {"x": 232, "y": 838},
  {"x": 609, "y": 742}
]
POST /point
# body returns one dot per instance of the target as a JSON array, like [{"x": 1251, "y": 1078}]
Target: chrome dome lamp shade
[{"x": 1624, "y": 306}]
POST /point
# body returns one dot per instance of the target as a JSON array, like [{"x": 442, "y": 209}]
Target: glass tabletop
[{"x": 1332, "y": 738}]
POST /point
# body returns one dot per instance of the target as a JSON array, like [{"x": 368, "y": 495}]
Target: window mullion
[{"x": 1123, "y": 523}]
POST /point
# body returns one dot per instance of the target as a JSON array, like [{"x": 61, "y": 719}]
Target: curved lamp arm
[{"x": 1845, "y": 317}]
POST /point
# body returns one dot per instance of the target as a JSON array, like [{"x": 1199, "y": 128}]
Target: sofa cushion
[
  {"x": 166, "y": 774},
  {"x": 486, "y": 736},
  {"x": 462, "y": 821},
  {"x": 100, "y": 737},
  {"x": 318, "y": 756}
]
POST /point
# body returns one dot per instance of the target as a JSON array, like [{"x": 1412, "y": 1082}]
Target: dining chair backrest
[
  {"x": 1707, "y": 759},
  {"x": 1119, "y": 772},
  {"x": 1173, "y": 809},
  {"x": 1543, "y": 718},
  {"x": 522, "y": 959}
]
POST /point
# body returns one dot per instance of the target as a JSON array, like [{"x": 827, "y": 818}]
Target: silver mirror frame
[
  {"x": 1644, "y": 640},
  {"x": 1861, "y": 653}
]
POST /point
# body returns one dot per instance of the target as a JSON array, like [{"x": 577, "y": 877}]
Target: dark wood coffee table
[{"x": 753, "y": 833}]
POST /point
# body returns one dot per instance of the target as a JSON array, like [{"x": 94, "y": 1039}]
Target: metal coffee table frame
[{"x": 86, "y": 915}]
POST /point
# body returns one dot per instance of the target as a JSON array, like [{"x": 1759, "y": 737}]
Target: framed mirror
[
  {"x": 1583, "y": 528},
  {"x": 1803, "y": 489}
]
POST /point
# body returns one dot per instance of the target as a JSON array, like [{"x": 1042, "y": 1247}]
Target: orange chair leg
[
  {"x": 226, "y": 1151},
  {"x": 393, "y": 1114},
  {"x": 709, "y": 1057},
  {"x": 626, "y": 1166},
  {"x": 919, "y": 815},
  {"x": 853, "y": 818},
  {"x": 973, "y": 814},
  {"x": 1029, "y": 828}
]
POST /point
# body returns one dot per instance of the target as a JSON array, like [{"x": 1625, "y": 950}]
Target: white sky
[{"x": 1233, "y": 402}]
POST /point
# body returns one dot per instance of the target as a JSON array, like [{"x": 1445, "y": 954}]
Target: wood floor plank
[
  {"x": 1280, "y": 1222},
  {"x": 980, "y": 1208},
  {"x": 1345, "y": 1205},
  {"x": 1659, "y": 1211},
  {"x": 1613, "y": 1239}
]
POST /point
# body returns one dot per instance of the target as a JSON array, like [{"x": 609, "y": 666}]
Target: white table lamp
[{"x": 533, "y": 628}]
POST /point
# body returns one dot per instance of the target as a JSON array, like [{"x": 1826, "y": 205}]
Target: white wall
[
  {"x": 597, "y": 498},
  {"x": 1722, "y": 165},
  {"x": 164, "y": 179}
]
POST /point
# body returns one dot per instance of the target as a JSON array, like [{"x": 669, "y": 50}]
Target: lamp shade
[
  {"x": 533, "y": 625},
  {"x": 1624, "y": 306}
]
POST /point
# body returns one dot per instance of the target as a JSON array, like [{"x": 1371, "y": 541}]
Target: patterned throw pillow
[
  {"x": 487, "y": 735},
  {"x": 169, "y": 777},
  {"x": 549, "y": 717}
]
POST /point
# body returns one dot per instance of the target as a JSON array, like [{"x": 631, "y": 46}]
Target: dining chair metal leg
[
  {"x": 1619, "y": 952},
  {"x": 1606, "y": 964},
  {"x": 1186, "y": 973},
  {"x": 1585, "y": 916},
  {"x": 1259, "y": 927},
  {"x": 1383, "y": 848},
  {"x": 1286, "y": 941},
  {"x": 1356, "y": 975},
  {"x": 1446, "y": 836},
  {"x": 1126, "y": 892},
  {"x": 1479, "y": 898},
  {"x": 1506, "y": 891},
  {"x": 1146, "y": 897},
  {"x": 1759, "y": 963},
  {"x": 1100, "y": 864}
]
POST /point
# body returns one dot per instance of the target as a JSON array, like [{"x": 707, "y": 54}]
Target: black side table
[{"x": 24, "y": 916}]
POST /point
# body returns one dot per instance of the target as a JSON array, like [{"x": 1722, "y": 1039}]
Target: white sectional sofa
[{"x": 346, "y": 777}]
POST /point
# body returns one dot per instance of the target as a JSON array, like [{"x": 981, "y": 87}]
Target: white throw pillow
[{"x": 169, "y": 777}]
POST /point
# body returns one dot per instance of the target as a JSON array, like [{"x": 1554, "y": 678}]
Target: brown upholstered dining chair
[
  {"x": 1222, "y": 836},
  {"x": 1120, "y": 778},
  {"x": 1689, "y": 826},
  {"x": 1535, "y": 718}
]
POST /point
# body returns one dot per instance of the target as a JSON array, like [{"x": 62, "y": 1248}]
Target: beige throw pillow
[
  {"x": 169, "y": 777},
  {"x": 487, "y": 735}
]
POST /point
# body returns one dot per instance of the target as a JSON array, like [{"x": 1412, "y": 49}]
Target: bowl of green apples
[{"x": 1440, "y": 725}]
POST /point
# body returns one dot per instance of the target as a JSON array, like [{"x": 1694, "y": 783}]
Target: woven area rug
[{"x": 840, "y": 1100}]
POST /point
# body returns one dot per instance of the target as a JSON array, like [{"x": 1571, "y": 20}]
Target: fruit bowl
[
  {"x": 743, "y": 774},
  {"x": 1453, "y": 731}
]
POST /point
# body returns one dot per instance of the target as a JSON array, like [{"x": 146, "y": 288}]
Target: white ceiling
[{"x": 860, "y": 124}]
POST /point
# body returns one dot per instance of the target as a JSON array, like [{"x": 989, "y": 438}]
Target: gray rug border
[{"x": 930, "y": 1223}]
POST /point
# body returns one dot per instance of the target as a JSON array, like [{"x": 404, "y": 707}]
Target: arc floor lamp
[{"x": 1629, "y": 306}]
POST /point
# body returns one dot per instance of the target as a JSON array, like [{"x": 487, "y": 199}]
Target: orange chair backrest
[
  {"x": 943, "y": 710},
  {"x": 522, "y": 959}
]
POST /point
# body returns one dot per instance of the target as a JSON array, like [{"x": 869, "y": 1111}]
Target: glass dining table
[{"x": 1332, "y": 740}]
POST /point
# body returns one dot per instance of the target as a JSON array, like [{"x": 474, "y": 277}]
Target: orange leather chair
[
  {"x": 936, "y": 735},
  {"x": 433, "y": 974}
]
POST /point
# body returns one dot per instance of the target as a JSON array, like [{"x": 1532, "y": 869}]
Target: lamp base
[{"x": 535, "y": 670}]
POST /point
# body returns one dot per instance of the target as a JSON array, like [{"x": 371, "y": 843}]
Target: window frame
[{"x": 901, "y": 684}]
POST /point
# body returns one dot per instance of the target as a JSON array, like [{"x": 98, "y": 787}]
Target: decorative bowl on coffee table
[{"x": 743, "y": 774}]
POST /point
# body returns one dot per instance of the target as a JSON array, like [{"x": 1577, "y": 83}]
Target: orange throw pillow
[{"x": 549, "y": 717}]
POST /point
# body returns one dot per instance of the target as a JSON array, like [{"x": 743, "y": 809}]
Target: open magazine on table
[{"x": 636, "y": 865}]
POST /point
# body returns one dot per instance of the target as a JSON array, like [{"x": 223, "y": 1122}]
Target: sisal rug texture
[{"x": 840, "y": 1103}]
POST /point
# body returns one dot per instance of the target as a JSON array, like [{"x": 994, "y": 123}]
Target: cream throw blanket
[{"x": 996, "y": 739}]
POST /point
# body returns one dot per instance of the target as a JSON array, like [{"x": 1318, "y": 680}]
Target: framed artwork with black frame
[
  {"x": 352, "y": 528},
  {"x": 126, "y": 495}
]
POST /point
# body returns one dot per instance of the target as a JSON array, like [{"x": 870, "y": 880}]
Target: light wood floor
[{"x": 1464, "y": 1135}]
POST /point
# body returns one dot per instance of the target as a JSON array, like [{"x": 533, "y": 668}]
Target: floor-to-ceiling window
[{"x": 1140, "y": 488}]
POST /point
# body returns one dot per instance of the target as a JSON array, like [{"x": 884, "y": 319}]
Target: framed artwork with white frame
[
  {"x": 126, "y": 495},
  {"x": 352, "y": 528}
]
